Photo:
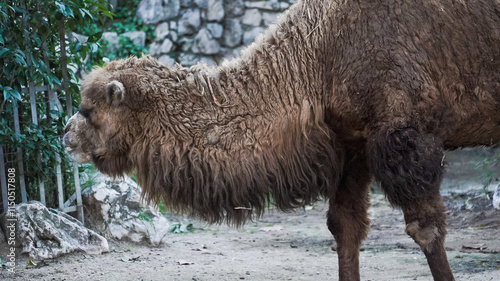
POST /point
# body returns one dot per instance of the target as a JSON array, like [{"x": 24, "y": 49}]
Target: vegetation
[
  {"x": 124, "y": 20},
  {"x": 30, "y": 52}
]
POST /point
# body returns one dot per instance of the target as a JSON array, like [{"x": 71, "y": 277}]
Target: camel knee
[
  {"x": 427, "y": 238},
  {"x": 426, "y": 223}
]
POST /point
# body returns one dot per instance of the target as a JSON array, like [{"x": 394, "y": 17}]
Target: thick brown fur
[{"x": 334, "y": 93}]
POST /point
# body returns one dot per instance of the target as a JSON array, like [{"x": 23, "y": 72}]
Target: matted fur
[{"x": 333, "y": 94}]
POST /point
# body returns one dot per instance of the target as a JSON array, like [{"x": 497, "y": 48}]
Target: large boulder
[
  {"x": 47, "y": 234},
  {"x": 115, "y": 209}
]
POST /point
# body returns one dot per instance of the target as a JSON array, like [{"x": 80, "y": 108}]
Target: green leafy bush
[{"x": 30, "y": 53}]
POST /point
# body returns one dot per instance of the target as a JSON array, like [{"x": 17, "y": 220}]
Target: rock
[
  {"x": 188, "y": 59},
  {"x": 115, "y": 209},
  {"x": 154, "y": 49},
  {"x": 171, "y": 8},
  {"x": 47, "y": 234},
  {"x": 186, "y": 3},
  {"x": 496, "y": 198},
  {"x": 203, "y": 4},
  {"x": 205, "y": 43},
  {"x": 234, "y": 8},
  {"x": 215, "y": 29},
  {"x": 250, "y": 36},
  {"x": 138, "y": 37},
  {"x": 232, "y": 32},
  {"x": 269, "y": 17},
  {"x": 273, "y": 5},
  {"x": 207, "y": 61},
  {"x": 189, "y": 22},
  {"x": 173, "y": 36},
  {"x": 166, "y": 46},
  {"x": 186, "y": 44},
  {"x": 252, "y": 17},
  {"x": 231, "y": 53},
  {"x": 151, "y": 11},
  {"x": 173, "y": 25},
  {"x": 162, "y": 31},
  {"x": 215, "y": 11},
  {"x": 166, "y": 59},
  {"x": 113, "y": 41}
]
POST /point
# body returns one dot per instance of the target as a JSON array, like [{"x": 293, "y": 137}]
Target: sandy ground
[{"x": 296, "y": 246}]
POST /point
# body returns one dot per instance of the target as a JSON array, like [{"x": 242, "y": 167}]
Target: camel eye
[
  {"x": 85, "y": 112},
  {"x": 94, "y": 102}
]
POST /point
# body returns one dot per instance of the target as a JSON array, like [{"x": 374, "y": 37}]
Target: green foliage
[
  {"x": 30, "y": 53},
  {"x": 486, "y": 166},
  {"x": 124, "y": 21}
]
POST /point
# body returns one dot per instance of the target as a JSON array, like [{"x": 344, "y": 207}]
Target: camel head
[{"x": 103, "y": 128}]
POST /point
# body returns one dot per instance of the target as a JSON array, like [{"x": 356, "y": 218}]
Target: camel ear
[{"x": 115, "y": 93}]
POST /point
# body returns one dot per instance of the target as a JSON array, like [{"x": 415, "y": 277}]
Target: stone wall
[{"x": 188, "y": 31}]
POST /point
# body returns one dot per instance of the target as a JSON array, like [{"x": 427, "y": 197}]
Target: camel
[{"x": 333, "y": 95}]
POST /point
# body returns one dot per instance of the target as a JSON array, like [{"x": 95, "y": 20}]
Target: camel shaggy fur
[{"x": 333, "y": 95}]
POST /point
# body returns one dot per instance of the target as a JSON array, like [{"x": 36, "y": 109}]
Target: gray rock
[
  {"x": 207, "y": 61},
  {"x": 162, "y": 31},
  {"x": 215, "y": 29},
  {"x": 232, "y": 32},
  {"x": 47, "y": 234},
  {"x": 171, "y": 8},
  {"x": 166, "y": 59},
  {"x": 203, "y": 4},
  {"x": 189, "y": 22},
  {"x": 154, "y": 49},
  {"x": 273, "y": 5},
  {"x": 252, "y": 17},
  {"x": 186, "y": 44},
  {"x": 188, "y": 59},
  {"x": 249, "y": 36},
  {"x": 215, "y": 11},
  {"x": 229, "y": 53},
  {"x": 151, "y": 11},
  {"x": 166, "y": 46},
  {"x": 496, "y": 198},
  {"x": 115, "y": 209},
  {"x": 205, "y": 43},
  {"x": 173, "y": 25},
  {"x": 113, "y": 41},
  {"x": 173, "y": 36},
  {"x": 186, "y": 3},
  {"x": 138, "y": 37},
  {"x": 270, "y": 17},
  {"x": 234, "y": 8}
]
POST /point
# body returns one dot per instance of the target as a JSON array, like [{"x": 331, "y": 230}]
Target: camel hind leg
[
  {"x": 347, "y": 217},
  {"x": 408, "y": 166}
]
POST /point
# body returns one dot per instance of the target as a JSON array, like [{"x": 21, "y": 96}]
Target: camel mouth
[{"x": 78, "y": 157}]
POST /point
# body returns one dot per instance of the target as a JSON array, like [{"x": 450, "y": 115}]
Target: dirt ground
[{"x": 296, "y": 246}]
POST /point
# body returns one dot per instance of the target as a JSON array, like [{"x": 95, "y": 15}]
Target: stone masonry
[{"x": 189, "y": 31}]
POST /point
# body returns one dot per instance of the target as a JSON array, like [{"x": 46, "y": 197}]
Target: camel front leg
[
  {"x": 347, "y": 217},
  {"x": 407, "y": 163}
]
